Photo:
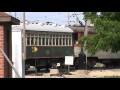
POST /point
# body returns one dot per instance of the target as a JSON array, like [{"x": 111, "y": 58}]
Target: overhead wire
[{"x": 46, "y": 18}]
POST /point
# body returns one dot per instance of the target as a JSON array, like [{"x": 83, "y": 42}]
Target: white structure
[{"x": 17, "y": 52}]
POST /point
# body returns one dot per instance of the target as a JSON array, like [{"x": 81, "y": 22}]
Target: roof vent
[
  {"x": 48, "y": 22},
  {"x": 41, "y": 24},
  {"x": 32, "y": 23},
  {"x": 63, "y": 25},
  {"x": 54, "y": 25}
]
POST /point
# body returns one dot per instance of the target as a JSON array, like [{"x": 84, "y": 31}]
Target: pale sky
[{"x": 55, "y": 17}]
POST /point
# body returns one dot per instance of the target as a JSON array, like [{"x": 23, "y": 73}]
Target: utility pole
[
  {"x": 86, "y": 28},
  {"x": 24, "y": 39},
  {"x": 85, "y": 34},
  {"x": 15, "y": 14},
  {"x": 68, "y": 19},
  {"x": 24, "y": 47}
]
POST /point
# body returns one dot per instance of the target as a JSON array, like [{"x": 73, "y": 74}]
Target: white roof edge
[{"x": 37, "y": 27}]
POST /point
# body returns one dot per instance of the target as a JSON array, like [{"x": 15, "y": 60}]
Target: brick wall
[
  {"x": 80, "y": 34},
  {"x": 1, "y": 55},
  {"x": 5, "y": 44}
]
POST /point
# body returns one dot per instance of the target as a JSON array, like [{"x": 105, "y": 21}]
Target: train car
[
  {"x": 47, "y": 43},
  {"x": 107, "y": 58}
]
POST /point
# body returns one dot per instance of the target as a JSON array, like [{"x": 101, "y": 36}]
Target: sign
[
  {"x": 34, "y": 49},
  {"x": 58, "y": 64},
  {"x": 69, "y": 60}
]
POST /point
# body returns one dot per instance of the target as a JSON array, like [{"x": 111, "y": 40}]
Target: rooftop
[
  {"x": 6, "y": 18},
  {"x": 43, "y": 27}
]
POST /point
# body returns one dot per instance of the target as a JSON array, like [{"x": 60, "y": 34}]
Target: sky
[{"x": 55, "y": 17}]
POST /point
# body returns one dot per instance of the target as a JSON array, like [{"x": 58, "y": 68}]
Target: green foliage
[{"x": 107, "y": 27}]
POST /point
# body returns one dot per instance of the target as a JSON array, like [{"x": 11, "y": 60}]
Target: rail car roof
[
  {"x": 81, "y": 29},
  {"x": 38, "y": 27}
]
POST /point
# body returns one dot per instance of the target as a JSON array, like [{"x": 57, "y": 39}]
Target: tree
[{"x": 107, "y": 28}]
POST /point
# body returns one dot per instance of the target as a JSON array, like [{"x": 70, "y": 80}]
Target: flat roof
[{"x": 81, "y": 29}]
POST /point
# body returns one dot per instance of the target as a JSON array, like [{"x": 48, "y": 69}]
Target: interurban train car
[{"x": 46, "y": 43}]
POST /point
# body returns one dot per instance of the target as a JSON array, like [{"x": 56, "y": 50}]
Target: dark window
[{"x": 28, "y": 40}]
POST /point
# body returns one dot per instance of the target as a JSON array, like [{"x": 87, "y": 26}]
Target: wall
[
  {"x": 5, "y": 45},
  {"x": 17, "y": 53}
]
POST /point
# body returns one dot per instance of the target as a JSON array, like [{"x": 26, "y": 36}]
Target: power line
[{"x": 50, "y": 18}]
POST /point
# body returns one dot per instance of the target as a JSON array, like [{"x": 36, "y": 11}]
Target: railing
[{"x": 8, "y": 60}]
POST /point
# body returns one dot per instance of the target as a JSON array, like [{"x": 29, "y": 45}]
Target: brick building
[{"x": 5, "y": 43}]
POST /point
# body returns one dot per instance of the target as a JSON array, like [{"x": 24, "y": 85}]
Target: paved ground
[{"x": 75, "y": 74}]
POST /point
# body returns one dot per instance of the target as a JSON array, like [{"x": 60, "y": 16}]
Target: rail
[{"x": 8, "y": 60}]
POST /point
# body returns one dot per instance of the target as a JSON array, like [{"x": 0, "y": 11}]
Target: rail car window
[
  {"x": 49, "y": 39},
  {"x": 28, "y": 40},
  {"x": 28, "y": 34},
  {"x": 53, "y": 41},
  {"x": 70, "y": 41},
  {"x": 39, "y": 41},
  {"x": 63, "y": 41},
  {"x": 60, "y": 41},
  {"x": 66, "y": 41},
  {"x": 43, "y": 41},
  {"x": 36, "y": 35},
  {"x": 32, "y": 40},
  {"x": 57, "y": 41},
  {"x": 36, "y": 41},
  {"x": 46, "y": 41},
  {"x": 32, "y": 34}
]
